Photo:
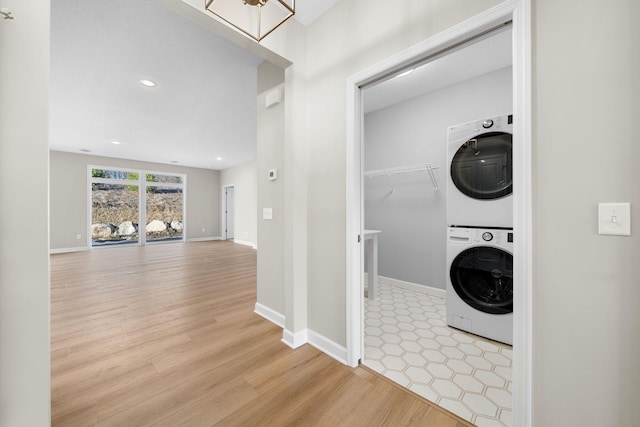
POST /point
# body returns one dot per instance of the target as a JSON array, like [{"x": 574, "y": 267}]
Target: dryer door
[
  {"x": 482, "y": 276},
  {"x": 482, "y": 166}
]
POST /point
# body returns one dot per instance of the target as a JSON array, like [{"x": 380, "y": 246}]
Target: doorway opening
[
  {"x": 438, "y": 46},
  {"x": 228, "y": 212},
  {"x": 407, "y": 331}
]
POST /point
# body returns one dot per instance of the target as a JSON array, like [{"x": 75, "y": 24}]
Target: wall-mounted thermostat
[{"x": 273, "y": 174}]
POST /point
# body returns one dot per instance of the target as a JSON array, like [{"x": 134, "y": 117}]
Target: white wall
[
  {"x": 244, "y": 181},
  {"x": 586, "y": 103},
  {"x": 410, "y": 213},
  {"x": 69, "y": 204},
  {"x": 586, "y": 287},
  {"x": 271, "y": 193},
  {"x": 352, "y": 36},
  {"x": 586, "y": 310},
  {"x": 24, "y": 245}
]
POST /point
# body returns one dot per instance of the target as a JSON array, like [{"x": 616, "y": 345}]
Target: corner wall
[
  {"x": 25, "y": 385},
  {"x": 352, "y": 36},
  {"x": 271, "y": 193},
  {"x": 69, "y": 192}
]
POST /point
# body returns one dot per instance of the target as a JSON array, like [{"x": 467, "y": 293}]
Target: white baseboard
[
  {"x": 269, "y": 314},
  {"x": 415, "y": 287},
  {"x": 203, "y": 239},
  {"x": 67, "y": 250},
  {"x": 295, "y": 340},
  {"x": 327, "y": 346},
  {"x": 245, "y": 243},
  {"x": 322, "y": 343}
]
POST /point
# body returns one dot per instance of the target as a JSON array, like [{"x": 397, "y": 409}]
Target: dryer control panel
[
  {"x": 479, "y": 126},
  {"x": 494, "y": 237}
]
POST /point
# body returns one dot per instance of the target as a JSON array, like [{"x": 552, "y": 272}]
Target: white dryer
[
  {"x": 479, "y": 183},
  {"x": 480, "y": 281}
]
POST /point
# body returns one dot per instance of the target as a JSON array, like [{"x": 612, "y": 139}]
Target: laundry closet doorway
[
  {"x": 406, "y": 169},
  {"x": 377, "y": 194}
]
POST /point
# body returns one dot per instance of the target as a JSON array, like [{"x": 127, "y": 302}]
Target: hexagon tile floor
[{"x": 408, "y": 341}]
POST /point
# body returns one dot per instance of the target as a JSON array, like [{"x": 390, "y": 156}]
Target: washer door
[
  {"x": 482, "y": 166},
  {"x": 482, "y": 277}
]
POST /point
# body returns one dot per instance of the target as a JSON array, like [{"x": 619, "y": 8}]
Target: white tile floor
[{"x": 407, "y": 340}]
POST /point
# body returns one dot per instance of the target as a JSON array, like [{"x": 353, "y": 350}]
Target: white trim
[
  {"x": 415, "y": 287},
  {"x": 327, "y": 346},
  {"x": 203, "y": 239},
  {"x": 295, "y": 340},
  {"x": 307, "y": 336},
  {"x": 269, "y": 314},
  {"x": 67, "y": 250},
  {"x": 519, "y": 11},
  {"x": 355, "y": 224},
  {"x": 245, "y": 243},
  {"x": 523, "y": 378}
]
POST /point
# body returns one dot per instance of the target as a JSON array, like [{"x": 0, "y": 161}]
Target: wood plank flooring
[{"x": 165, "y": 335}]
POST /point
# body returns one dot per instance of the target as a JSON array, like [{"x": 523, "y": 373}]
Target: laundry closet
[
  {"x": 409, "y": 208},
  {"x": 454, "y": 110}
]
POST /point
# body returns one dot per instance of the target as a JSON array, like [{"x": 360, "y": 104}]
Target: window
[{"x": 122, "y": 199}]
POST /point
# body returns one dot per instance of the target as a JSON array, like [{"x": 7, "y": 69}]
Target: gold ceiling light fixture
[{"x": 255, "y": 18}]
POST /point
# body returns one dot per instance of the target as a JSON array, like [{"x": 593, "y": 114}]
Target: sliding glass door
[
  {"x": 164, "y": 207},
  {"x": 122, "y": 199}
]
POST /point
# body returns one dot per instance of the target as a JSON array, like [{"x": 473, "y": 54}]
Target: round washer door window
[
  {"x": 482, "y": 277},
  {"x": 482, "y": 166}
]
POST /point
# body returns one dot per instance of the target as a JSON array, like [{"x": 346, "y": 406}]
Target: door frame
[
  {"x": 519, "y": 12},
  {"x": 225, "y": 211}
]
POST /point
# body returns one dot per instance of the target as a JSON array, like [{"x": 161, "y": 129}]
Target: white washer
[
  {"x": 479, "y": 183},
  {"x": 480, "y": 281}
]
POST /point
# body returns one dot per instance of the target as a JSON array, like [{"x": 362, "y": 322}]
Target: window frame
[{"x": 142, "y": 185}]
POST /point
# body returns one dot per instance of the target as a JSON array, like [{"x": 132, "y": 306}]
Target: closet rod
[{"x": 406, "y": 169}]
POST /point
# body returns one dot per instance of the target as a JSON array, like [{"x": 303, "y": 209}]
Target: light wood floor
[{"x": 166, "y": 335}]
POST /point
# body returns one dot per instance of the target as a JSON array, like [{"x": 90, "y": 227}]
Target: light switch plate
[
  {"x": 614, "y": 219},
  {"x": 267, "y": 213}
]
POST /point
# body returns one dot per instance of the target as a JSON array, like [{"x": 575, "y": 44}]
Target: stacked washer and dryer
[{"x": 480, "y": 228}]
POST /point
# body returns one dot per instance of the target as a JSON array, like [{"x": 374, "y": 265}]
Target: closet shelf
[{"x": 423, "y": 167}]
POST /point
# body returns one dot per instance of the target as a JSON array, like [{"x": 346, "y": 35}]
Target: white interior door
[{"x": 229, "y": 212}]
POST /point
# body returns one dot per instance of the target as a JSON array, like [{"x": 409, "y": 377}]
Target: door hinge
[{"x": 358, "y": 238}]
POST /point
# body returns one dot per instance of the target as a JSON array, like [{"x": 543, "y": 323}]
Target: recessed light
[
  {"x": 218, "y": 158},
  {"x": 147, "y": 83},
  {"x": 116, "y": 142}
]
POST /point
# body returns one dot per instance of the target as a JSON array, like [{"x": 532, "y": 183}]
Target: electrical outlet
[{"x": 203, "y": 229}]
